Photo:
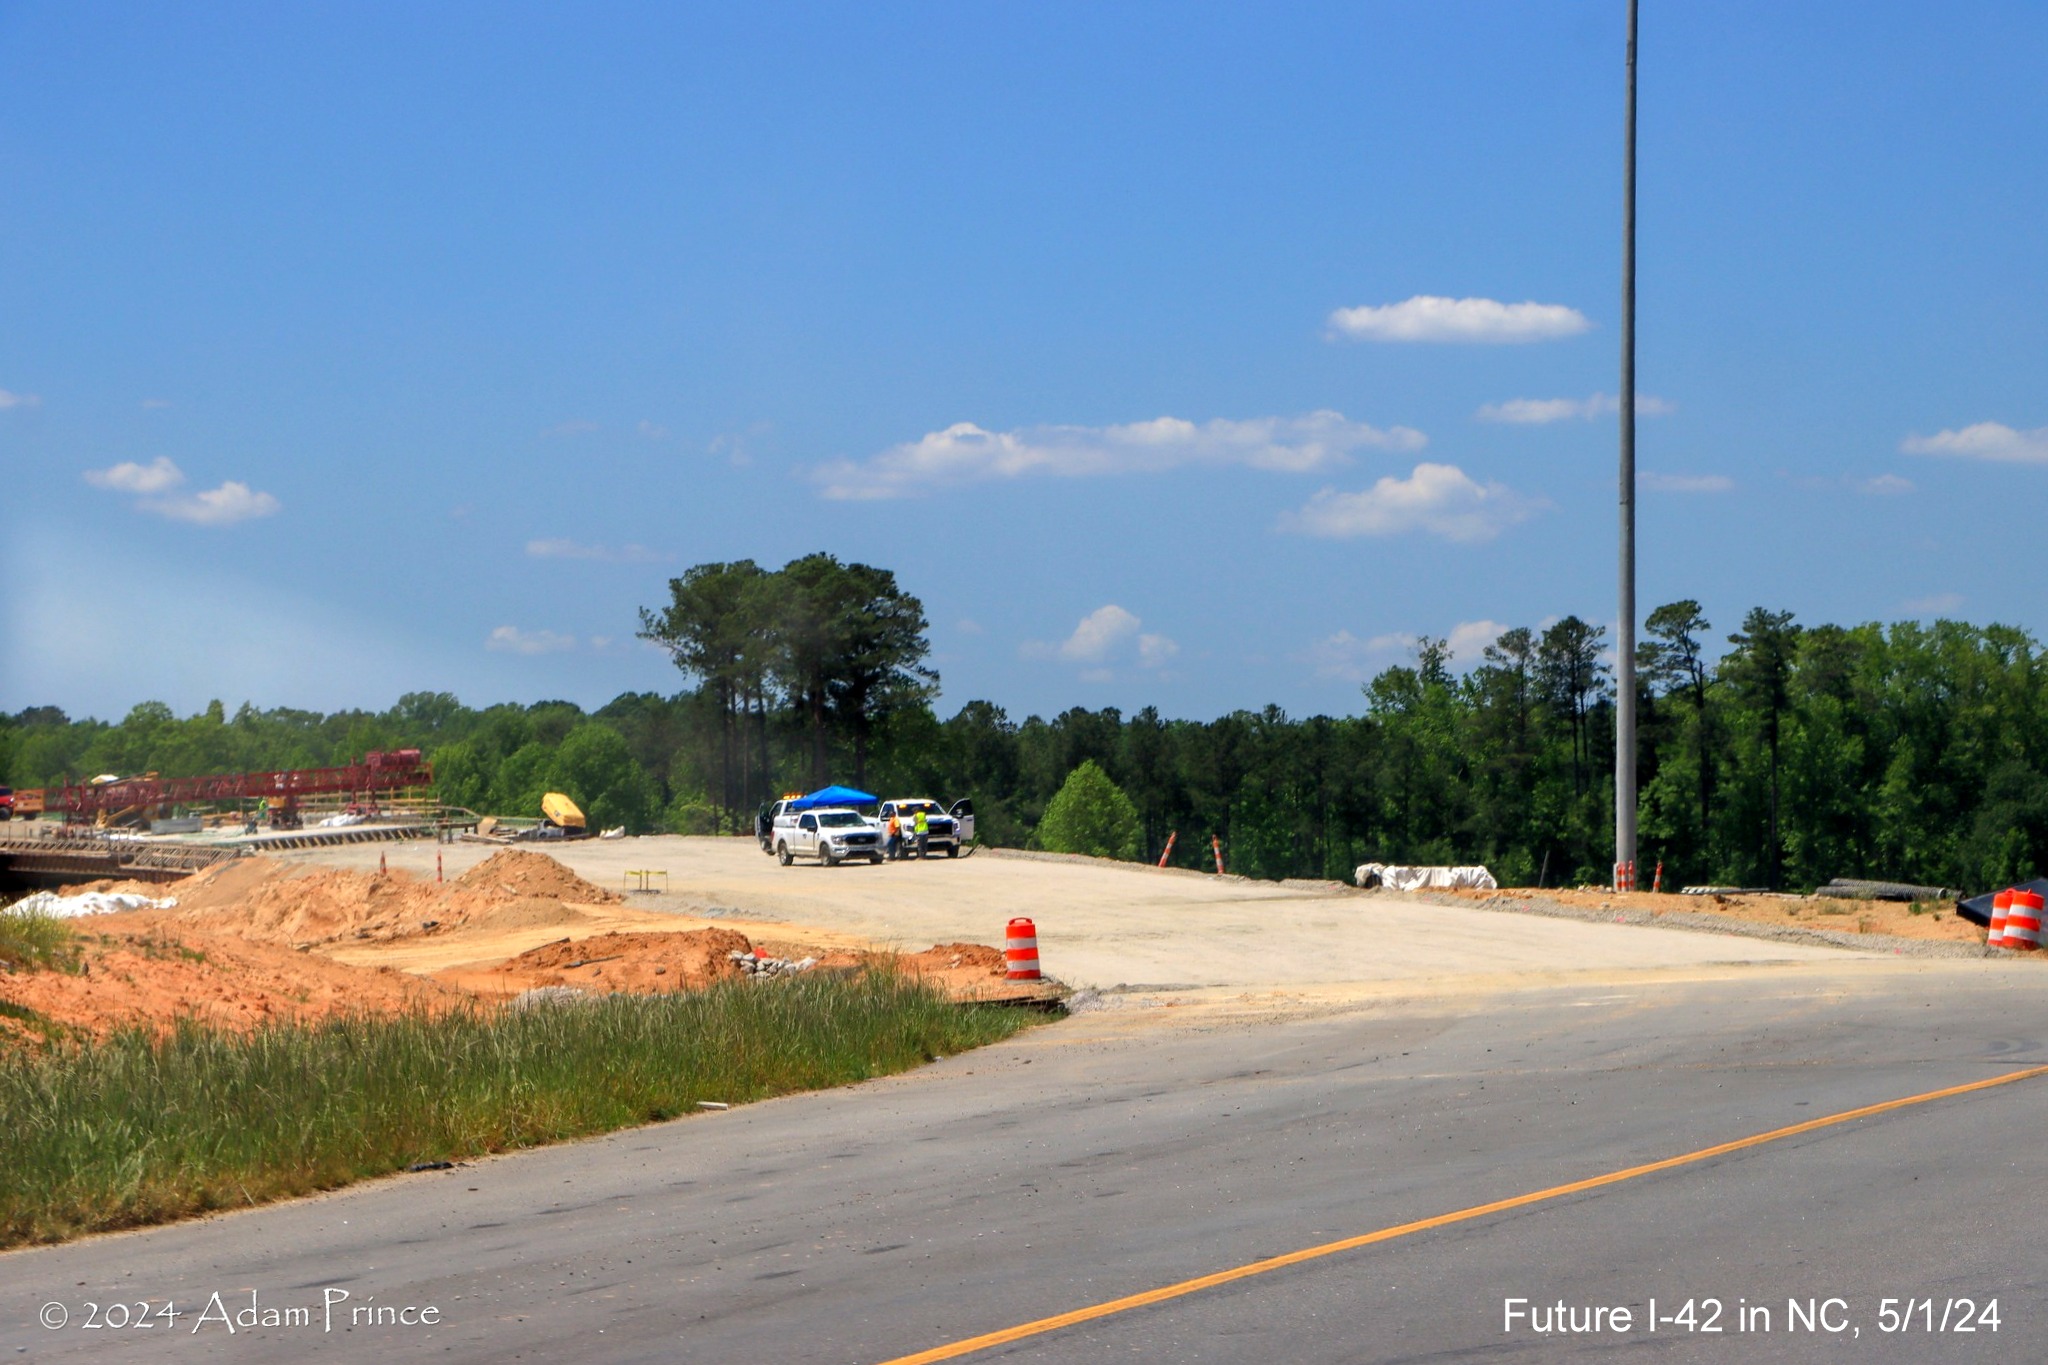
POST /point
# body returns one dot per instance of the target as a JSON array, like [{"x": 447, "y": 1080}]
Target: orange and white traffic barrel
[
  {"x": 2023, "y": 922},
  {"x": 1020, "y": 950},
  {"x": 2001, "y": 907}
]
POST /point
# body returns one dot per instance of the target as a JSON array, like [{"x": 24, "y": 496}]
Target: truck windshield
[{"x": 839, "y": 819}]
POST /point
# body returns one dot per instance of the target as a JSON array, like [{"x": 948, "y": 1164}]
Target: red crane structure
[{"x": 363, "y": 783}]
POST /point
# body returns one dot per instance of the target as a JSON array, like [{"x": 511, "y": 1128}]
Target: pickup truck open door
[{"x": 963, "y": 819}]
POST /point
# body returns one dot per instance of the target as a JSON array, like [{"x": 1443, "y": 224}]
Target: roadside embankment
[{"x": 144, "y": 1127}]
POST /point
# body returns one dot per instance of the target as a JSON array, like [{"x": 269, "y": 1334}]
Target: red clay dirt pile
[
  {"x": 250, "y": 941},
  {"x": 138, "y": 970},
  {"x": 641, "y": 963},
  {"x": 274, "y": 902},
  {"x": 516, "y": 872}
]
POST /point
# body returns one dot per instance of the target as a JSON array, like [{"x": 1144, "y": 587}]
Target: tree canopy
[
  {"x": 1907, "y": 752},
  {"x": 838, "y": 649},
  {"x": 1090, "y": 814}
]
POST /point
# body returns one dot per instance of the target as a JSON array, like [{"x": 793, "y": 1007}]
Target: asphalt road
[{"x": 1136, "y": 1147}]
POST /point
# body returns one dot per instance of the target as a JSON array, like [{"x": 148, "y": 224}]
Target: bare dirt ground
[
  {"x": 259, "y": 939},
  {"x": 312, "y": 933},
  {"x": 1120, "y": 927},
  {"x": 1935, "y": 922}
]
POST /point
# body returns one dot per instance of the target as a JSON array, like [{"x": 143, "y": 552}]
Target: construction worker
[
  {"x": 892, "y": 847},
  {"x": 922, "y": 825}
]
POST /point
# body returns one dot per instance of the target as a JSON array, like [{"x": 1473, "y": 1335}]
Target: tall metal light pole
[{"x": 1625, "y": 641}]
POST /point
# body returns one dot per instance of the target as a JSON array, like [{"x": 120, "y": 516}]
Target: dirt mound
[
  {"x": 258, "y": 939},
  {"x": 964, "y": 958},
  {"x": 516, "y": 872},
  {"x": 524, "y": 912},
  {"x": 139, "y": 969},
  {"x": 1934, "y": 921},
  {"x": 274, "y": 902},
  {"x": 972, "y": 971},
  {"x": 643, "y": 963}
]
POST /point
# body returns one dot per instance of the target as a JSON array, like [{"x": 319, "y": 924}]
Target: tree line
[{"x": 1779, "y": 754}]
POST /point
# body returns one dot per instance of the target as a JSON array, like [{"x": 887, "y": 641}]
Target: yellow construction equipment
[{"x": 561, "y": 811}]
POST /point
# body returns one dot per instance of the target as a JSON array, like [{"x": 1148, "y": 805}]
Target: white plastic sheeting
[
  {"x": 87, "y": 903},
  {"x": 1397, "y": 878}
]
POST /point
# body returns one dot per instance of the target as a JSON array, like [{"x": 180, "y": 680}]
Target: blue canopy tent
[{"x": 834, "y": 796}]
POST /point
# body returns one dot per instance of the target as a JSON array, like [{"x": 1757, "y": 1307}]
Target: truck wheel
[
  {"x": 952, "y": 850},
  {"x": 782, "y": 854},
  {"x": 875, "y": 858},
  {"x": 830, "y": 856}
]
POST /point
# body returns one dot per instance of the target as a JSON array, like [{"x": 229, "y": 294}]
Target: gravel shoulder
[{"x": 1534, "y": 903}]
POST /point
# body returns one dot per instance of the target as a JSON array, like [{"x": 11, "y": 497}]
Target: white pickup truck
[
  {"x": 830, "y": 835},
  {"x": 946, "y": 829}
]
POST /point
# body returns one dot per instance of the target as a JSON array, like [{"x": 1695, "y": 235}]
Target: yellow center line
[{"x": 954, "y": 1350}]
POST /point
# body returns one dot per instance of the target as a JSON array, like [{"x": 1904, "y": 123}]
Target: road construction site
[
  {"x": 1250, "y": 1070},
  {"x": 1106, "y": 925},
  {"x": 429, "y": 923}
]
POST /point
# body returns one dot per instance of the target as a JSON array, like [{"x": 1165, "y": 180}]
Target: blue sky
[{"x": 1199, "y": 356}]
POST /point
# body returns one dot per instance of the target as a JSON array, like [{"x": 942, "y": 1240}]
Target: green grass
[
  {"x": 139, "y": 1129},
  {"x": 34, "y": 939}
]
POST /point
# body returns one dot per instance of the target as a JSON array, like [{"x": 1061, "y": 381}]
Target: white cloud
[
  {"x": 738, "y": 448},
  {"x": 152, "y": 484},
  {"x": 222, "y": 506},
  {"x": 1984, "y": 441},
  {"x": 153, "y": 404},
  {"x": 1427, "y": 317},
  {"x": 1469, "y": 639},
  {"x": 1347, "y": 658},
  {"x": 1156, "y": 651},
  {"x": 1543, "y": 411},
  {"x": 967, "y": 625},
  {"x": 19, "y": 400},
  {"x": 569, "y": 549},
  {"x": 1937, "y": 604},
  {"x": 653, "y": 431},
  {"x": 966, "y": 453},
  {"x": 130, "y": 477},
  {"x": 1100, "y": 631},
  {"x": 1685, "y": 483},
  {"x": 1879, "y": 486},
  {"x": 512, "y": 640},
  {"x": 1105, "y": 636},
  {"x": 580, "y": 427},
  {"x": 1438, "y": 498}
]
